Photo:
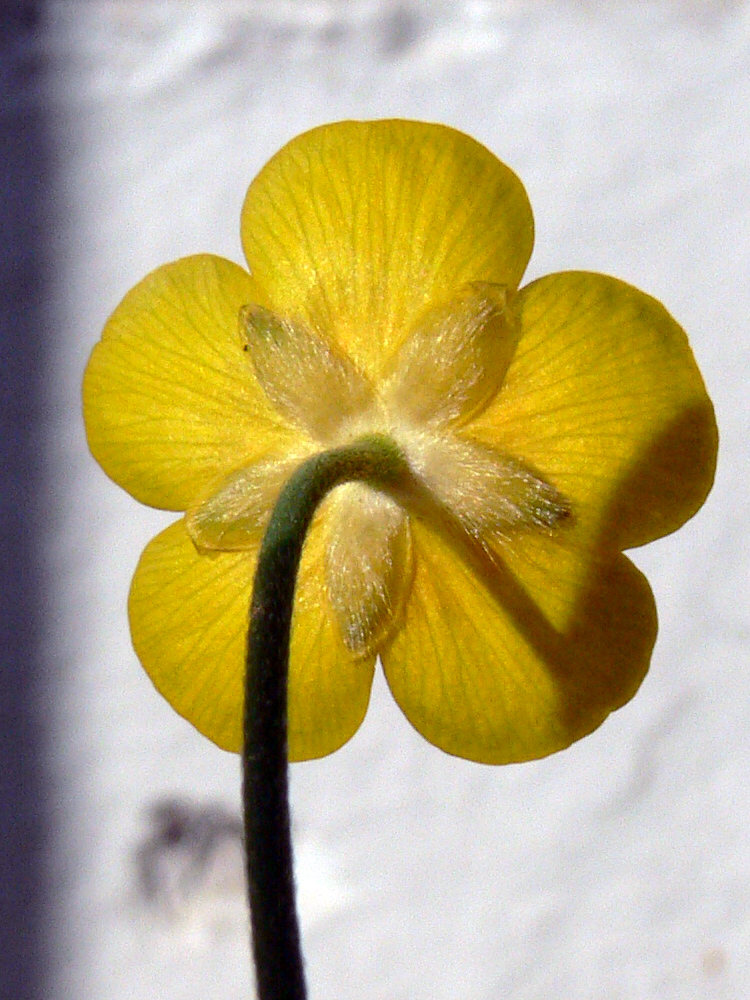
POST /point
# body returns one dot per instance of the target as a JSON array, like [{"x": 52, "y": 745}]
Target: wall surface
[{"x": 619, "y": 869}]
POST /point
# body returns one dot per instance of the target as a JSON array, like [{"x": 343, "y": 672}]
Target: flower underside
[
  {"x": 449, "y": 369},
  {"x": 541, "y": 431}
]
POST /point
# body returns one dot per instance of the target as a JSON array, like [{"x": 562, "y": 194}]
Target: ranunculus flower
[{"x": 546, "y": 430}]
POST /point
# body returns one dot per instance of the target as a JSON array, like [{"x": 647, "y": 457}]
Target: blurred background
[{"x": 619, "y": 869}]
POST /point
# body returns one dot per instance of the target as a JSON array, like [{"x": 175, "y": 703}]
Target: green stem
[{"x": 276, "y": 940}]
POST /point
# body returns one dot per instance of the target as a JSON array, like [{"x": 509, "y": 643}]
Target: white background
[{"x": 618, "y": 870}]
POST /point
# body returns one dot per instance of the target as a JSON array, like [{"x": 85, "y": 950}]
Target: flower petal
[
  {"x": 189, "y": 619},
  {"x": 501, "y": 663},
  {"x": 170, "y": 399},
  {"x": 355, "y": 228},
  {"x": 454, "y": 360},
  {"x": 368, "y": 565},
  {"x": 604, "y": 399}
]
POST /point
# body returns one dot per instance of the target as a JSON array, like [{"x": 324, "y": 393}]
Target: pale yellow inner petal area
[
  {"x": 307, "y": 380},
  {"x": 368, "y": 565},
  {"x": 189, "y": 617},
  {"x": 500, "y": 666},
  {"x": 235, "y": 516},
  {"x": 491, "y": 494},
  {"x": 170, "y": 401},
  {"x": 454, "y": 360},
  {"x": 356, "y": 227},
  {"x": 603, "y": 396}
]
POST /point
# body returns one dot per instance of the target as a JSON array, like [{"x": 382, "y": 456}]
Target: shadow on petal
[
  {"x": 668, "y": 485},
  {"x": 514, "y": 653}
]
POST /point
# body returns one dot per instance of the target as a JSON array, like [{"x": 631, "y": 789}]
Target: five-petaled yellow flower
[{"x": 547, "y": 429}]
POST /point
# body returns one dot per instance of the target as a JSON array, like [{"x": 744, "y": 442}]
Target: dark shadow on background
[{"x": 24, "y": 221}]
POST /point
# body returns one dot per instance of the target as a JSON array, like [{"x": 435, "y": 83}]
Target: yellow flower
[{"x": 547, "y": 429}]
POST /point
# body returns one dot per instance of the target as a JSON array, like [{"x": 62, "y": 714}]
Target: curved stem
[{"x": 276, "y": 940}]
